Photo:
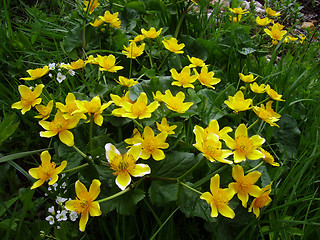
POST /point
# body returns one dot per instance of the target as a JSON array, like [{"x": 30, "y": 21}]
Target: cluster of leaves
[{"x": 100, "y": 102}]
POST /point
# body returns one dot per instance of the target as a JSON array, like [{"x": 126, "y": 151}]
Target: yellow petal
[
  {"x": 226, "y": 211},
  {"x": 37, "y": 184},
  {"x": 207, "y": 196},
  {"x": 135, "y": 151},
  {"x": 94, "y": 209},
  {"x": 215, "y": 183},
  {"x": 48, "y": 134},
  {"x": 255, "y": 191},
  {"x": 244, "y": 197},
  {"x": 123, "y": 180},
  {"x": 257, "y": 141},
  {"x": 98, "y": 119},
  {"x": 83, "y": 220},
  {"x": 158, "y": 155},
  {"x": 34, "y": 172},
  {"x": 94, "y": 189},
  {"x": 214, "y": 210},
  {"x": 238, "y": 157},
  {"x": 253, "y": 176},
  {"x": 54, "y": 179},
  {"x": 61, "y": 167},
  {"x": 241, "y": 130},
  {"x": 70, "y": 205},
  {"x": 255, "y": 155},
  {"x": 17, "y": 105},
  {"x": 66, "y": 137},
  {"x": 111, "y": 151},
  {"x": 79, "y": 189},
  {"x": 140, "y": 170},
  {"x": 237, "y": 172}
]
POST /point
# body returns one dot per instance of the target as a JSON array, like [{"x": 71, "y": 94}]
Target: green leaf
[
  {"x": 8, "y": 126},
  {"x": 9, "y": 224},
  {"x": 162, "y": 193},
  {"x": 136, "y": 5},
  {"x": 246, "y": 51},
  {"x": 19, "y": 155},
  {"x": 174, "y": 164},
  {"x": 288, "y": 135},
  {"x": 124, "y": 204},
  {"x": 192, "y": 206},
  {"x": 5, "y": 205}
]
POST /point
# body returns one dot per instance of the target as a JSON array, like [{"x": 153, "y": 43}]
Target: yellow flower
[
  {"x": 235, "y": 19},
  {"x": 172, "y": 45},
  {"x": 272, "y": 13},
  {"x": 91, "y": 59},
  {"x": 108, "y": 63},
  {"x": 135, "y": 139},
  {"x": 109, "y": 17},
  {"x": 196, "y": 62},
  {"x": 84, "y": 204},
  {"x": 302, "y": 38},
  {"x": 126, "y": 82},
  {"x": 96, "y": 23},
  {"x": 262, "y": 21},
  {"x": 117, "y": 100},
  {"x": 267, "y": 114},
  {"x": 92, "y": 5},
  {"x": 151, "y": 144},
  {"x": 206, "y": 78},
  {"x": 44, "y": 111},
  {"x": 290, "y": 38},
  {"x": 273, "y": 94},
  {"x": 247, "y": 78},
  {"x": 211, "y": 147},
  {"x": 70, "y": 107},
  {"x": 94, "y": 108},
  {"x": 138, "y": 38},
  {"x": 238, "y": 103},
  {"x": 239, "y": 10},
  {"x": 176, "y": 103},
  {"x": 243, "y": 146},
  {"x": 219, "y": 198},
  {"x": 183, "y": 78},
  {"x": 60, "y": 126},
  {"x": 214, "y": 128},
  {"x": 47, "y": 171},
  {"x": 36, "y": 73},
  {"x": 244, "y": 185},
  {"x": 158, "y": 96},
  {"x": 74, "y": 65},
  {"x": 116, "y": 24},
  {"x": 268, "y": 158},
  {"x": 139, "y": 109},
  {"x": 133, "y": 51},
  {"x": 195, "y": 2},
  {"x": 28, "y": 98},
  {"x": 152, "y": 33},
  {"x": 276, "y": 33},
  {"x": 165, "y": 127},
  {"x": 256, "y": 88},
  {"x": 261, "y": 201},
  {"x": 125, "y": 165}
]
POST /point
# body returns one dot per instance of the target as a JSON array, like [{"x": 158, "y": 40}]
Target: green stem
[
  {"x": 130, "y": 68},
  {"x": 163, "y": 60},
  {"x": 138, "y": 124},
  {"x": 90, "y": 133},
  {"x": 255, "y": 122},
  {"x": 114, "y": 195},
  {"x": 256, "y": 167},
  {"x": 176, "y": 32},
  {"x": 79, "y": 151},
  {"x": 191, "y": 169},
  {"x": 75, "y": 168},
  {"x": 191, "y": 188}
]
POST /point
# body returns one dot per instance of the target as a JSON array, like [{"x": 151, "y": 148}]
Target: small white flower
[
  {"x": 73, "y": 216},
  {"x": 52, "y": 66},
  {"x": 51, "y": 210},
  {"x": 71, "y": 72},
  {"x": 50, "y": 75},
  {"x": 63, "y": 185},
  {"x": 62, "y": 216},
  {"x": 60, "y": 200},
  {"x": 50, "y": 219},
  {"x": 60, "y": 77}
]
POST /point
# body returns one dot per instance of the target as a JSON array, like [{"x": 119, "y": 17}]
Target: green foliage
[{"x": 164, "y": 203}]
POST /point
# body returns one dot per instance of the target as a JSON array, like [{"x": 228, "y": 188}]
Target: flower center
[
  {"x": 139, "y": 108},
  {"x": 243, "y": 185},
  {"x": 212, "y": 148},
  {"x": 122, "y": 163},
  {"x": 262, "y": 200},
  {"x": 81, "y": 205},
  {"x": 220, "y": 198},
  {"x": 244, "y": 145},
  {"x": 150, "y": 144},
  {"x": 27, "y": 99}
]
